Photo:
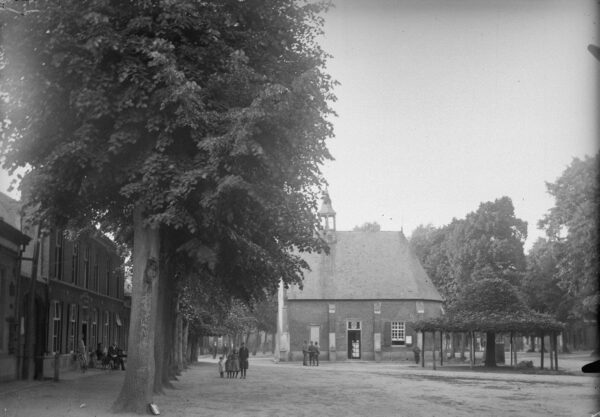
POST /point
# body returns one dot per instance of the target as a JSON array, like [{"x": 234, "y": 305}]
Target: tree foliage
[
  {"x": 487, "y": 243},
  {"x": 572, "y": 228},
  {"x": 212, "y": 115},
  {"x": 367, "y": 227}
]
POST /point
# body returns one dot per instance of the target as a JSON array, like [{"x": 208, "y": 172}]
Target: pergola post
[
  {"x": 555, "y": 337},
  {"x": 423, "y": 346},
  {"x": 542, "y": 351},
  {"x": 441, "y": 348},
  {"x": 472, "y": 350},
  {"x": 511, "y": 348},
  {"x": 433, "y": 350}
]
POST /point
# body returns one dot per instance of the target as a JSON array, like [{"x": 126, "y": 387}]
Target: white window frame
[
  {"x": 72, "y": 327},
  {"x": 398, "y": 330},
  {"x": 56, "y": 323}
]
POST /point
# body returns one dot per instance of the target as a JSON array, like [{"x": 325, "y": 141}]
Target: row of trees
[
  {"x": 559, "y": 275},
  {"x": 192, "y": 131}
]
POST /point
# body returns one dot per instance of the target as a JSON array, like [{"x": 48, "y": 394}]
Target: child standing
[
  {"x": 228, "y": 366},
  {"x": 221, "y": 366}
]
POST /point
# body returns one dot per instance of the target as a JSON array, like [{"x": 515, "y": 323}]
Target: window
[
  {"x": 106, "y": 328},
  {"x": 58, "y": 255},
  {"x": 86, "y": 267},
  {"x": 56, "y": 320},
  {"x": 354, "y": 325},
  {"x": 108, "y": 267},
  {"x": 94, "y": 330},
  {"x": 72, "y": 328},
  {"x": 96, "y": 276},
  {"x": 75, "y": 263},
  {"x": 398, "y": 336}
]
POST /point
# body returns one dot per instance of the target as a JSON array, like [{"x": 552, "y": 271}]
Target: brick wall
[{"x": 332, "y": 316}]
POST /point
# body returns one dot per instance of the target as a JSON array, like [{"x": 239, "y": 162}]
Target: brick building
[
  {"x": 12, "y": 242},
  {"x": 78, "y": 292},
  {"x": 358, "y": 302}
]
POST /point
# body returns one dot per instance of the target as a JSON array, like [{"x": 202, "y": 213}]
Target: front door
[{"x": 353, "y": 344}]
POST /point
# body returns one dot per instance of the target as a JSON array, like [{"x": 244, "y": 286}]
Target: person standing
[
  {"x": 82, "y": 354},
  {"x": 235, "y": 363},
  {"x": 221, "y": 366},
  {"x": 311, "y": 354},
  {"x": 317, "y": 353},
  {"x": 304, "y": 353},
  {"x": 243, "y": 357}
]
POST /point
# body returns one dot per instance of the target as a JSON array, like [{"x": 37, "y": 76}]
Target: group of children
[{"x": 236, "y": 362}]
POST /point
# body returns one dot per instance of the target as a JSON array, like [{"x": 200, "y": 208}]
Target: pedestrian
[
  {"x": 304, "y": 353},
  {"x": 243, "y": 358},
  {"x": 228, "y": 366},
  {"x": 221, "y": 366},
  {"x": 235, "y": 363},
  {"x": 82, "y": 354},
  {"x": 317, "y": 353},
  {"x": 311, "y": 354},
  {"x": 214, "y": 350}
]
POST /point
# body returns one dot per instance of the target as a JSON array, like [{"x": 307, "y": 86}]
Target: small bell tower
[{"x": 327, "y": 217}]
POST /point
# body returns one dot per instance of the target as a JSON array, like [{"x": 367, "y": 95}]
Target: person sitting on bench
[{"x": 116, "y": 356}]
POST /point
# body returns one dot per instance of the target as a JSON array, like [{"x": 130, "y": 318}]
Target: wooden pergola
[{"x": 512, "y": 323}]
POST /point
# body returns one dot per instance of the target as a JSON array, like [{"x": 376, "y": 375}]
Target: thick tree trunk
[
  {"x": 162, "y": 316},
  {"x": 178, "y": 340},
  {"x": 30, "y": 335},
  {"x": 184, "y": 345},
  {"x": 168, "y": 373},
  {"x": 490, "y": 350},
  {"x": 138, "y": 386}
]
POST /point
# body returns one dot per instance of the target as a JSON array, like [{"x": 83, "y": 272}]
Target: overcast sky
[{"x": 447, "y": 104}]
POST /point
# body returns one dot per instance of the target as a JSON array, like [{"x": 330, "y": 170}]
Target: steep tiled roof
[{"x": 366, "y": 265}]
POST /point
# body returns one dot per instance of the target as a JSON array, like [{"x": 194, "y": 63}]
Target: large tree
[
  {"x": 572, "y": 227},
  {"x": 205, "y": 117}
]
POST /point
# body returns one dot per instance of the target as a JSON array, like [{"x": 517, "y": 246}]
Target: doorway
[{"x": 353, "y": 344}]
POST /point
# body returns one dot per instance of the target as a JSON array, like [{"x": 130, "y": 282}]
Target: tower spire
[{"x": 327, "y": 215}]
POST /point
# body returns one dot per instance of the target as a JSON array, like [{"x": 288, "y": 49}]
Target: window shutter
[{"x": 387, "y": 334}]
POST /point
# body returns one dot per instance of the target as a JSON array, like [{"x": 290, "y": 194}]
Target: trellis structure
[{"x": 524, "y": 322}]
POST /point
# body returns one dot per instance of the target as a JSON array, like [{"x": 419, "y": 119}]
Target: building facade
[
  {"x": 12, "y": 242},
  {"x": 357, "y": 302},
  {"x": 72, "y": 290}
]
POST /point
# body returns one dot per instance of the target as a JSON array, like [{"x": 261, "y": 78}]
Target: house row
[{"x": 73, "y": 288}]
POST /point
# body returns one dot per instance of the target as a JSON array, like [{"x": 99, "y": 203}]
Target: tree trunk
[
  {"x": 184, "y": 344},
  {"x": 490, "y": 350},
  {"x": 168, "y": 373},
  {"x": 138, "y": 386},
  {"x": 178, "y": 341},
  {"x": 463, "y": 340},
  {"x": 162, "y": 317}
]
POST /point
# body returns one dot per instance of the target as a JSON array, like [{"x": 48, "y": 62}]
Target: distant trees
[
  {"x": 463, "y": 257},
  {"x": 367, "y": 227},
  {"x": 487, "y": 243}
]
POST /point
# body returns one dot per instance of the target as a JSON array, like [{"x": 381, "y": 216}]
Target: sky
[{"x": 447, "y": 104}]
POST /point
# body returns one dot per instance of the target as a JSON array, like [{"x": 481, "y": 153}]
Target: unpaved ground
[{"x": 332, "y": 389}]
